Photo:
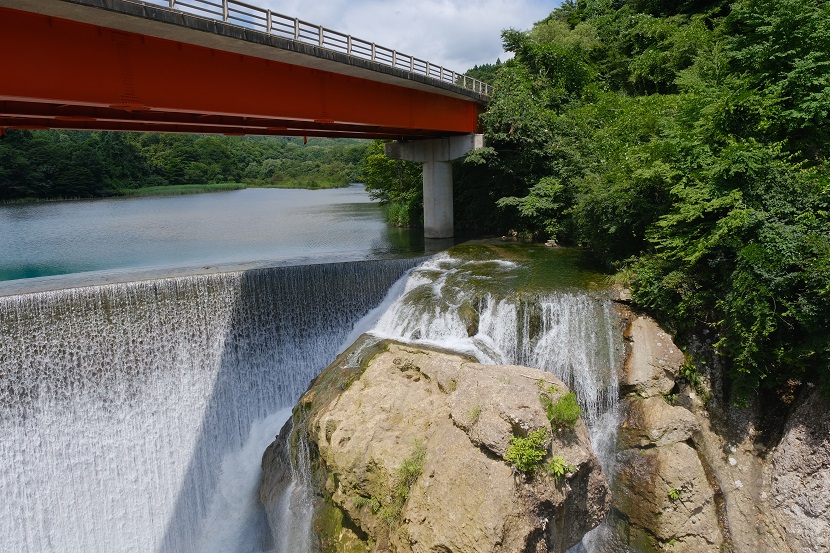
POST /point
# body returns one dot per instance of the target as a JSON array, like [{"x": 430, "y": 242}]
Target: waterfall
[
  {"x": 567, "y": 332},
  {"x": 133, "y": 416},
  {"x": 452, "y": 303}
]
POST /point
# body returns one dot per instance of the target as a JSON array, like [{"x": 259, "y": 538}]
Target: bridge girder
[{"x": 73, "y": 75}]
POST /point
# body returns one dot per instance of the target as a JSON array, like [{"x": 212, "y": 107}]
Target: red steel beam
[{"x": 65, "y": 74}]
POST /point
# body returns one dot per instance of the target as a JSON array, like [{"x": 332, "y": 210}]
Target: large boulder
[
  {"x": 666, "y": 497},
  {"x": 653, "y": 422},
  {"x": 407, "y": 450}
]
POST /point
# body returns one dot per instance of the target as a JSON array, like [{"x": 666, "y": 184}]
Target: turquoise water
[{"x": 204, "y": 231}]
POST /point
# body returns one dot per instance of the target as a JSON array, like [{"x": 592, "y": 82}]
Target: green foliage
[
  {"x": 397, "y": 184},
  {"x": 685, "y": 142},
  {"x": 562, "y": 412},
  {"x": 675, "y": 494},
  {"x": 557, "y": 467},
  {"x": 526, "y": 453},
  {"x": 72, "y": 164},
  {"x": 541, "y": 208},
  {"x": 783, "y": 49},
  {"x": 485, "y": 72}
]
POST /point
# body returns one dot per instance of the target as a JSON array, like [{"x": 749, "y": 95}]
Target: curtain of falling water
[
  {"x": 133, "y": 416},
  {"x": 570, "y": 333}
]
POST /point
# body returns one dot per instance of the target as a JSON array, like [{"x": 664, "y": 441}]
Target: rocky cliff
[
  {"x": 407, "y": 452},
  {"x": 695, "y": 476}
]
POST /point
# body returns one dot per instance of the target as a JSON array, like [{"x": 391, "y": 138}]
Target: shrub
[
  {"x": 563, "y": 412},
  {"x": 527, "y": 453}
]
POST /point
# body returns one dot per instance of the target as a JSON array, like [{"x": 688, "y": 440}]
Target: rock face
[
  {"x": 691, "y": 481},
  {"x": 407, "y": 454},
  {"x": 662, "y": 488},
  {"x": 653, "y": 361},
  {"x": 653, "y": 422},
  {"x": 801, "y": 477}
]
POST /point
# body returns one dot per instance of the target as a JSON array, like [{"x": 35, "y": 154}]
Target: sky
[{"x": 457, "y": 34}]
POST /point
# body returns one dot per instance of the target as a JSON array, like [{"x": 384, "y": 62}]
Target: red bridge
[{"x": 227, "y": 67}]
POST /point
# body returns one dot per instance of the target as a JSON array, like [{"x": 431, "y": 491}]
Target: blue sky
[{"x": 454, "y": 33}]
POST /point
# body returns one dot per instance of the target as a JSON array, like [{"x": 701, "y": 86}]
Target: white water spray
[{"x": 133, "y": 416}]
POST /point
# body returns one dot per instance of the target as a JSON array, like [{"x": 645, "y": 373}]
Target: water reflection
[{"x": 206, "y": 230}]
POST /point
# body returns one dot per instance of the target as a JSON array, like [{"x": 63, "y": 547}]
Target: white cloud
[{"x": 454, "y": 33}]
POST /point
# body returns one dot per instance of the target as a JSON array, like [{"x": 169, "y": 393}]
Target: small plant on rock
[
  {"x": 409, "y": 471},
  {"x": 565, "y": 411},
  {"x": 557, "y": 467},
  {"x": 372, "y": 503},
  {"x": 527, "y": 453},
  {"x": 473, "y": 414},
  {"x": 675, "y": 494},
  {"x": 389, "y": 512}
]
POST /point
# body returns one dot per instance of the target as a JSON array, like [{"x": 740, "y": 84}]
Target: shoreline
[{"x": 178, "y": 190}]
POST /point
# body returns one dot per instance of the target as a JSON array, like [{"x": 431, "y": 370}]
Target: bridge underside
[{"x": 65, "y": 74}]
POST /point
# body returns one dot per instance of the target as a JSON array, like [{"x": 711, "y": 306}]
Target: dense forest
[
  {"x": 73, "y": 164},
  {"x": 686, "y": 143}
]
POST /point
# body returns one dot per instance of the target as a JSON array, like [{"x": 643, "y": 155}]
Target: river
[{"x": 104, "y": 239}]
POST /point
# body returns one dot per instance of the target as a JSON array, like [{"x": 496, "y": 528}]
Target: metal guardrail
[{"x": 253, "y": 17}]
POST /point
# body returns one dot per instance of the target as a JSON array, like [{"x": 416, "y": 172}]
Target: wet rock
[
  {"x": 667, "y": 499},
  {"x": 407, "y": 455}
]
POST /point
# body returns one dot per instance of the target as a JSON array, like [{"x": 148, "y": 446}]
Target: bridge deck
[{"x": 124, "y": 65}]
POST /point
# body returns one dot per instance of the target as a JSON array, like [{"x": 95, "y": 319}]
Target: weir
[{"x": 134, "y": 416}]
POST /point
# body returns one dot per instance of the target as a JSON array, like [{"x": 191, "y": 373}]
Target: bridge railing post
[
  {"x": 296, "y": 29},
  {"x": 320, "y": 38},
  {"x": 172, "y": 4},
  {"x": 374, "y": 52},
  {"x": 225, "y": 11},
  {"x": 269, "y": 22}
]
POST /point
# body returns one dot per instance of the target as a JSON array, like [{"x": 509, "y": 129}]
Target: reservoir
[{"x": 206, "y": 232}]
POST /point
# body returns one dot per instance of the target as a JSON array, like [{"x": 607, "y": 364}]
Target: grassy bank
[
  {"x": 308, "y": 183},
  {"x": 182, "y": 189}
]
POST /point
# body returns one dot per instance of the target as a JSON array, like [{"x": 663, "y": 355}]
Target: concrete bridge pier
[{"x": 436, "y": 155}]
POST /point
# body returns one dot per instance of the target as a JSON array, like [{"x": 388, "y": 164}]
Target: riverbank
[{"x": 302, "y": 183}]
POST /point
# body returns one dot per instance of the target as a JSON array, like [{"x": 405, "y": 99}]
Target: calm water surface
[{"x": 203, "y": 231}]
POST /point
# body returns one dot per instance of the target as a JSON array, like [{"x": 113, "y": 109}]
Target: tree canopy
[
  {"x": 74, "y": 164},
  {"x": 686, "y": 144}
]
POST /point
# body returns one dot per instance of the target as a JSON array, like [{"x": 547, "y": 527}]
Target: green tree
[{"x": 397, "y": 184}]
